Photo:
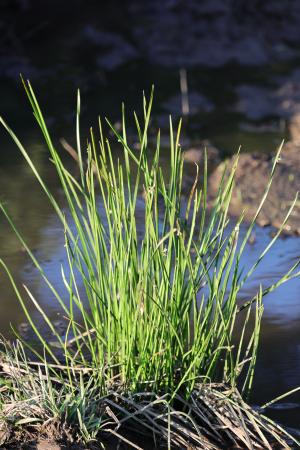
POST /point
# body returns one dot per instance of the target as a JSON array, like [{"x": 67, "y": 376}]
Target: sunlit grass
[{"x": 157, "y": 298}]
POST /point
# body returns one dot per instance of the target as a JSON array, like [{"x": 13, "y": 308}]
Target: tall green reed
[{"x": 160, "y": 305}]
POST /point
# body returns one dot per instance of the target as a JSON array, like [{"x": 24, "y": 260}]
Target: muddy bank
[
  {"x": 52, "y": 444},
  {"x": 252, "y": 176}
]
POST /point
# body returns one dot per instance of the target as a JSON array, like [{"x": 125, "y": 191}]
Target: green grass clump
[{"x": 151, "y": 302}]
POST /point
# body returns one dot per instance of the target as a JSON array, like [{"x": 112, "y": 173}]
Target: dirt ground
[
  {"x": 46, "y": 444},
  {"x": 252, "y": 177}
]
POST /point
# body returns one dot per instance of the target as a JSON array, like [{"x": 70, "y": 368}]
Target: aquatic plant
[{"x": 151, "y": 302}]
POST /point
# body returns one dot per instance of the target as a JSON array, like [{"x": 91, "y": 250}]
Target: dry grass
[{"x": 215, "y": 417}]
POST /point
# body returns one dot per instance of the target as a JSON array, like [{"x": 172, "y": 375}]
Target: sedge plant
[{"x": 152, "y": 277}]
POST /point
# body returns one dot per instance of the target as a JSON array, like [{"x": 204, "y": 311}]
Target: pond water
[{"x": 278, "y": 367}]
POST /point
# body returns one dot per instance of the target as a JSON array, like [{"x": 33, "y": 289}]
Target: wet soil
[
  {"x": 252, "y": 176},
  {"x": 48, "y": 444}
]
